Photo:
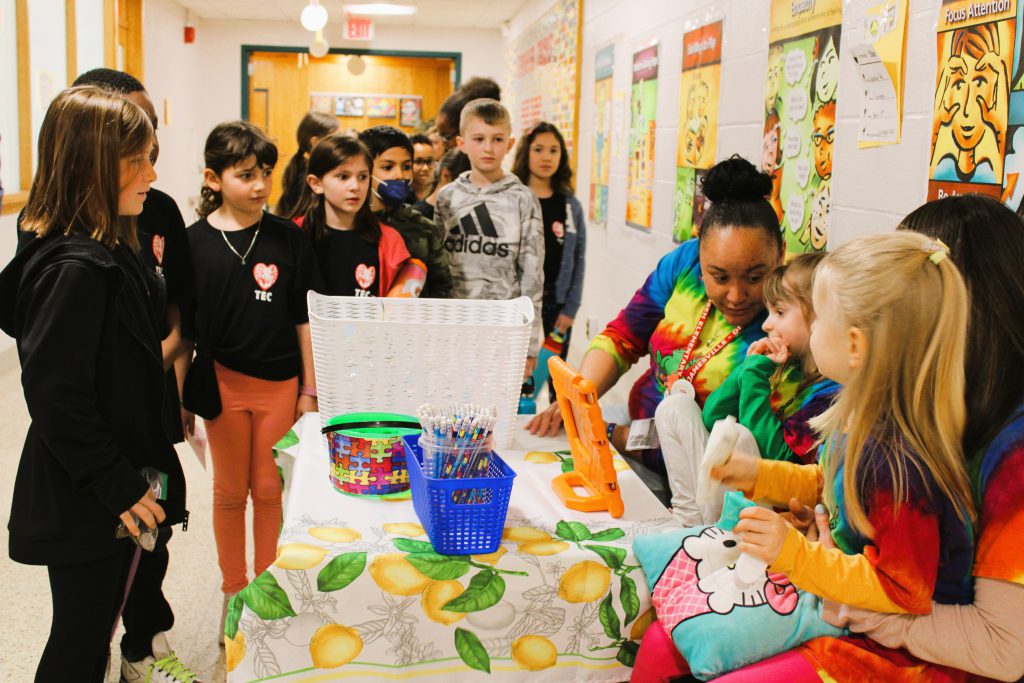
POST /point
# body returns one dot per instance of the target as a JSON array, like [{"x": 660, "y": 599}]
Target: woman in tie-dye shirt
[{"x": 721, "y": 272}]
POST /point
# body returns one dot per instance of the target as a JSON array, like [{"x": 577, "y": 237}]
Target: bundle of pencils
[{"x": 456, "y": 439}]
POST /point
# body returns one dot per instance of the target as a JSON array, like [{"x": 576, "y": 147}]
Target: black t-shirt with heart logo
[
  {"x": 349, "y": 265},
  {"x": 553, "y": 211},
  {"x": 163, "y": 245},
  {"x": 247, "y": 313}
]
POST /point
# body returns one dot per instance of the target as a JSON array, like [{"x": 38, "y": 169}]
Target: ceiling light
[
  {"x": 319, "y": 47},
  {"x": 314, "y": 16},
  {"x": 381, "y": 8}
]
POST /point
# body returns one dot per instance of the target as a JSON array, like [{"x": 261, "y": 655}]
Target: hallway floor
[{"x": 192, "y": 584}]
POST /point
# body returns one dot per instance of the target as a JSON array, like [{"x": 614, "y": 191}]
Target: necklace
[{"x": 251, "y": 244}]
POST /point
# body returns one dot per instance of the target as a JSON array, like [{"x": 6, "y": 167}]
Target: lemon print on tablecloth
[
  {"x": 234, "y": 650},
  {"x": 334, "y": 645},
  {"x": 524, "y": 534},
  {"x": 491, "y": 558},
  {"x": 540, "y": 457},
  {"x": 636, "y": 632},
  {"x": 494, "y": 618},
  {"x": 534, "y": 652},
  {"x": 334, "y": 534},
  {"x": 585, "y": 581},
  {"x": 436, "y": 595},
  {"x": 299, "y": 556},
  {"x": 543, "y": 548},
  {"x": 409, "y": 529},
  {"x": 396, "y": 575}
]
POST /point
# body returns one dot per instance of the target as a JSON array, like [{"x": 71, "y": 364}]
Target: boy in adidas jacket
[{"x": 492, "y": 225}]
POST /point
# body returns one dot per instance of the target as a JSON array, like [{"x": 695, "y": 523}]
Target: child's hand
[
  {"x": 763, "y": 533},
  {"x": 147, "y": 510},
  {"x": 761, "y": 347},
  {"x": 738, "y": 472},
  {"x": 531, "y": 365},
  {"x": 305, "y": 404},
  {"x": 780, "y": 354},
  {"x": 801, "y": 518}
]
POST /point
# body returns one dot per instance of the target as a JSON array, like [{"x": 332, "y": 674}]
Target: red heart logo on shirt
[
  {"x": 365, "y": 275},
  {"x": 158, "y": 249},
  {"x": 265, "y": 275}
]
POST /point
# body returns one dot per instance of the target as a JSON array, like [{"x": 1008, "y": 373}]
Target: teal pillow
[{"x": 717, "y": 624}]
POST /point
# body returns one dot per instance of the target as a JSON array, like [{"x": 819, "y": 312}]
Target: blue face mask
[{"x": 391, "y": 192}]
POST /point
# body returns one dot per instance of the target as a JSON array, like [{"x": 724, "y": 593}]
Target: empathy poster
[
  {"x": 800, "y": 117},
  {"x": 699, "y": 86},
  {"x": 643, "y": 108}
]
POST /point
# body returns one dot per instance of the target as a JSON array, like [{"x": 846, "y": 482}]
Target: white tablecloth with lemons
[{"x": 357, "y": 592}]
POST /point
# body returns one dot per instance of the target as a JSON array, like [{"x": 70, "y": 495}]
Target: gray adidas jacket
[{"x": 494, "y": 236}]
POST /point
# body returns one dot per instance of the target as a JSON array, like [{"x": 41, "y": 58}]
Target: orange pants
[{"x": 256, "y": 414}]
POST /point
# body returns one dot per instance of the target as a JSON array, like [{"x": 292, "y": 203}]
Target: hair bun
[{"x": 736, "y": 179}]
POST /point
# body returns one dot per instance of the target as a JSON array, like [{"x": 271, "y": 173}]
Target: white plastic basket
[{"x": 394, "y": 355}]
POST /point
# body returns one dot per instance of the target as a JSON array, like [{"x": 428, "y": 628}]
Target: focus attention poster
[
  {"x": 800, "y": 117},
  {"x": 978, "y": 124}
]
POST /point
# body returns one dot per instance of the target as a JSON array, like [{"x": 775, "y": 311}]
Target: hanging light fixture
[
  {"x": 319, "y": 47},
  {"x": 314, "y": 16}
]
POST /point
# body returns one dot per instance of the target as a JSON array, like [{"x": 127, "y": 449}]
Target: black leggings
[{"x": 86, "y": 598}]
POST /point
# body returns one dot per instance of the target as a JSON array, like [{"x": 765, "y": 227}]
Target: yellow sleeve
[
  {"x": 832, "y": 574},
  {"x": 779, "y": 480}
]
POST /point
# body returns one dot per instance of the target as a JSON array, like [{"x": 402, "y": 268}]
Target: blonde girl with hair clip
[{"x": 892, "y": 319}]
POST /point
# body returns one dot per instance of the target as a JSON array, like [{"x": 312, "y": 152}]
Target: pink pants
[{"x": 256, "y": 414}]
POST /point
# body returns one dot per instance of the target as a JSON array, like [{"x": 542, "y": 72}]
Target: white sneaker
[{"x": 162, "y": 667}]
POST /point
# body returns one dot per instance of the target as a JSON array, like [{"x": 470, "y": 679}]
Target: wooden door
[{"x": 286, "y": 82}]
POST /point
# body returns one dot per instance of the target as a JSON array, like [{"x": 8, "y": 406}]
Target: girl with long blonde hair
[{"x": 890, "y": 328}]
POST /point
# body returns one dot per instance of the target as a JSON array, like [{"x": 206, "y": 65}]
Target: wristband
[
  {"x": 611, "y": 430},
  {"x": 307, "y": 391}
]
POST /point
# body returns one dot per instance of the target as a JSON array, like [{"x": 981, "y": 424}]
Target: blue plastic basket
[{"x": 460, "y": 528}]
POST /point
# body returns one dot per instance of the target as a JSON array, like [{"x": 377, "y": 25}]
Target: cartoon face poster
[
  {"x": 800, "y": 117},
  {"x": 698, "y": 123},
  {"x": 604, "y": 66},
  {"x": 643, "y": 107},
  {"x": 975, "y": 145}
]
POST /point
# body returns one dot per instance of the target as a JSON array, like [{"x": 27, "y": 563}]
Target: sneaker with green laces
[{"x": 161, "y": 667}]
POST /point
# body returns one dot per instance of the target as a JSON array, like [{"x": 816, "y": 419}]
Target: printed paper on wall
[{"x": 643, "y": 107}]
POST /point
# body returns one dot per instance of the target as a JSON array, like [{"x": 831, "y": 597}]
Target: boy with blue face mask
[{"x": 390, "y": 189}]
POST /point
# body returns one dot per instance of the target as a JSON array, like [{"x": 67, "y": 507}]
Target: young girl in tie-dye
[
  {"x": 750, "y": 394},
  {"x": 717, "y": 279},
  {"x": 984, "y": 639},
  {"x": 890, "y": 327}
]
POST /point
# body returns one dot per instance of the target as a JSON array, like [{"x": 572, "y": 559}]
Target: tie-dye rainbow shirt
[{"x": 659, "y": 321}]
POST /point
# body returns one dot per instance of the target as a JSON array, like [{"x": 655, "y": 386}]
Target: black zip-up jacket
[{"x": 88, "y": 341}]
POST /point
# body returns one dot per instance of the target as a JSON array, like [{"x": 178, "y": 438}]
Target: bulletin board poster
[
  {"x": 604, "y": 67},
  {"x": 699, "y": 86},
  {"x": 543, "y": 68},
  {"x": 800, "y": 117},
  {"x": 975, "y": 92},
  {"x": 643, "y": 107}
]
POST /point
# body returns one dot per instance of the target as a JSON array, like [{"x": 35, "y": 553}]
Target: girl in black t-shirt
[
  {"x": 252, "y": 273},
  {"x": 357, "y": 255},
  {"x": 542, "y": 163}
]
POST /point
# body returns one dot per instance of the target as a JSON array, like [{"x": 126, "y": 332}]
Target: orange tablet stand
[{"x": 593, "y": 470}]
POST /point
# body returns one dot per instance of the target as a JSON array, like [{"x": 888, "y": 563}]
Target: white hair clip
[{"x": 937, "y": 251}]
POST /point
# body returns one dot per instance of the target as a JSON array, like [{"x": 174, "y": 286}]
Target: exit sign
[{"x": 358, "y": 28}]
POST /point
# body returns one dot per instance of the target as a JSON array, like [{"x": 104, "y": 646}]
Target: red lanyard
[{"x": 688, "y": 375}]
